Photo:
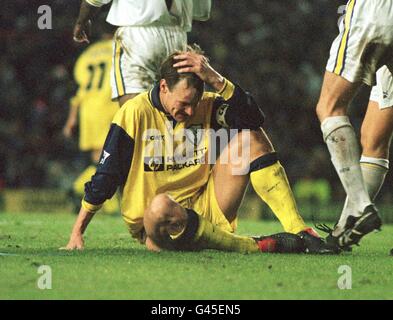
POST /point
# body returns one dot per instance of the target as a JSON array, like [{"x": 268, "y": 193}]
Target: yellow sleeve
[{"x": 90, "y": 207}]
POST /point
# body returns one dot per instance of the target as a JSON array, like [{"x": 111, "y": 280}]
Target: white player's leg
[
  {"x": 341, "y": 139},
  {"x": 343, "y": 146},
  {"x": 354, "y": 59},
  {"x": 376, "y": 138}
]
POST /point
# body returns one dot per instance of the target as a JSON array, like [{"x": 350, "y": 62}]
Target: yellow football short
[{"x": 207, "y": 206}]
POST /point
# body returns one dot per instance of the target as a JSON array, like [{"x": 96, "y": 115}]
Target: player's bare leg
[
  {"x": 231, "y": 179},
  {"x": 340, "y": 137},
  {"x": 376, "y": 132},
  {"x": 376, "y": 137},
  {"x": 164, "y": 217},
  {"x": 124, "y": 98}
]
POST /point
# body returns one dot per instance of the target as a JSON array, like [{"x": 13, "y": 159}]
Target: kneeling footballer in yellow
[{"x": 176, "y": 195}]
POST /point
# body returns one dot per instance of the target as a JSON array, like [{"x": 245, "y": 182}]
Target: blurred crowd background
[{"x": 275, "y": 49}]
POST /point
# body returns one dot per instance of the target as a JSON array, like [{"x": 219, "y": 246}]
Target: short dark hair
[{"x": 172, "y": 77}]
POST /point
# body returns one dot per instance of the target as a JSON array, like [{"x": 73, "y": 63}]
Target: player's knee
[
  {"x": 255, "y": 143},
  {"x": 162, "y": 217},
  {"x": 336, "y": 93},
  {"x": 159, "y": 209},
  {"x": 244, "y": 148},
  {"x": 324, "y": 110},
  {"x": 329, "y": 106},
  {"x": 320, "y": 111},
  {"x": 260, "y": 144}
]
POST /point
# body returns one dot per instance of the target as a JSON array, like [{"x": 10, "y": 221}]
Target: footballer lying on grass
[{"x": 175, "y": 194}]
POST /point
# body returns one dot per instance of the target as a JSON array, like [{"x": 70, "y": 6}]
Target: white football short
[
  {"x": 365, "y": 42},
  {"x": 138, "y": 53},
  {"x": 382, "y": 92}
]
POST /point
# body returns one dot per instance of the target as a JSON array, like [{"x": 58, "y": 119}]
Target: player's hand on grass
[
  {"x": 82, "y": 32},
  {"x": 199, "y": 64},
  {"x": 76, "y": 243}
]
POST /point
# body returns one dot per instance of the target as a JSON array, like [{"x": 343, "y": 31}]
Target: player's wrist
[
  {"x": 76, "y": 234},
  {"x": 216, "y": 81}
]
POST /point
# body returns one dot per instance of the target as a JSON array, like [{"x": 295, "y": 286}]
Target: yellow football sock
[
  {"x": 209, "y": 236},
  {"x": 271, "y": 184},
  {"x": 202, "y": 234}
]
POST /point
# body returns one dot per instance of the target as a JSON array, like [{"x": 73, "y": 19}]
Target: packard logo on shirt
[{"x": 154, "y": 164}]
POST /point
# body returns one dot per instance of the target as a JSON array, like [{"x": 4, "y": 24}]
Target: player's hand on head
[
  {"x": 198, "y": 64},
  {"x": 193, "y": 62},
  {"x": 81, "y": 32}
]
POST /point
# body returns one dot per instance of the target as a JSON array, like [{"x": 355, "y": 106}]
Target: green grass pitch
[{"x": 115, "y": 267}]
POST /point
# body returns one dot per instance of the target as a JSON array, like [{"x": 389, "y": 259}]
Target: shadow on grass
[
  {"x": 131, "y": 251},
  {"x": 85, "y": 252}
]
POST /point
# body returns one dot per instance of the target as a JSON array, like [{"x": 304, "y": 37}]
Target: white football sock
[
  {"x": 374, "y": 171},
  {"x": 344, "y": 151}
]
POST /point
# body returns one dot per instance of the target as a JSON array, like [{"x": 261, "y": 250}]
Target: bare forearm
[
  {"x": 76, "y": 241},
  {"x": 82, "y": 221},
  {"x": 215, "y": 80}
]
